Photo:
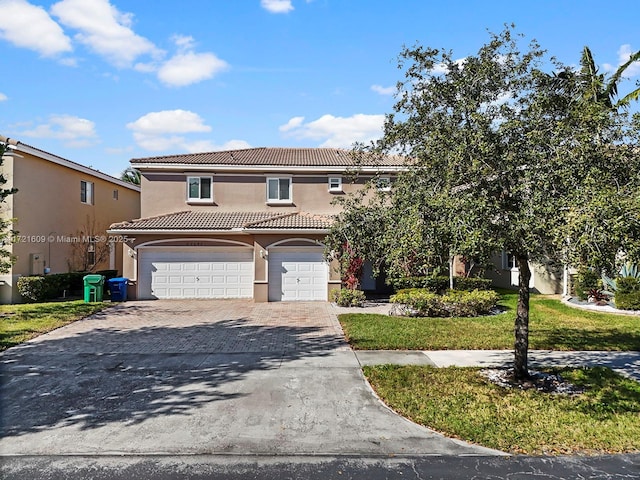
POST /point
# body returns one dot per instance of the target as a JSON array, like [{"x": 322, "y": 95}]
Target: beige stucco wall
[
  {"x": 49, "y": 214},
  {"x": 545, "y": 279},
  {"x": 167, "y": 193}
]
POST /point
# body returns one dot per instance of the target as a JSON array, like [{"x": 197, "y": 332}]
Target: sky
[{"x": 100, "y": 82}]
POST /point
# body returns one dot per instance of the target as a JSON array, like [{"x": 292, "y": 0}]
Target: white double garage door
[{"x": 294, "y": 274}]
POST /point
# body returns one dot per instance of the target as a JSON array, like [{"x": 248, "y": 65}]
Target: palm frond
[
  {"x": 628, "y": 98},
  {"x": 612, "y": 86}
]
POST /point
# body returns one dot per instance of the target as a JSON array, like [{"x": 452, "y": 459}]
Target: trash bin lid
[
  {"x": 93, "y": 279},
  {"x": 118, "y": 280}
]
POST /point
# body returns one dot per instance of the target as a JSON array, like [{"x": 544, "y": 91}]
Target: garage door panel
[
  {"x": 299, "y": 275},
  {"x": 205, "y": 273}
]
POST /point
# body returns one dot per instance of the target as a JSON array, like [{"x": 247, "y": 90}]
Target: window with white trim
[
  {"x": 279, "y": 190},
  {"x": 91, "y": 252},
  {"x": 384, "y": 184},
  {"x": 508, "y": 261},
  {"x": 199, "y": 189},
  {"x": 86, "y": 192},
  {"x": 335, "y": 184}
]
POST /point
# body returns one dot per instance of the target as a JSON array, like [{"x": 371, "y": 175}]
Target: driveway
[{"x": 201, "y": 377}]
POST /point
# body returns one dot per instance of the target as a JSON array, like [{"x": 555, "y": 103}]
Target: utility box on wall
[{"x": 36, "y": 264}]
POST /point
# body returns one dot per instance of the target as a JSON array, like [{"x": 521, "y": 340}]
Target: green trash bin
[{"x": 93, "y": 288}]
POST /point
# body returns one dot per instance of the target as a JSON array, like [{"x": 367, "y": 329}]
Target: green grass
[
  {"x": 19, "y": 323},
  {"x": 552, "y": 325},
  {"x": 459, "y": 402}
]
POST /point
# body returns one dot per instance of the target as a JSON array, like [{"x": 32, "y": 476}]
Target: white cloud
[
  {"x": 158, "y": 131},
  {"x": 104, "y": 29},
  {"x": 277, "y": 6},
  {"x": 624, "y": 53},
  {"x": 207, "y": 146},
  {"x": 74, "y": 131},
  {"x": 29, "y": 26},
  {"x": 187, "y": 68},
  {"x": 295, "y": 122},
  {"x": 441, "y": 68},
  {"x": 339, "y": 132},
  {"x": 383, "y": 90},
  {"x": 3, "y": 97}
]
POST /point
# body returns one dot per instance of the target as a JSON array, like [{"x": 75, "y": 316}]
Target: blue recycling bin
[{"x": 118, "y": 289}]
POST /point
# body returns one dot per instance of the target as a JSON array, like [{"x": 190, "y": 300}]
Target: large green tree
[{"x": 497, "y": 158}]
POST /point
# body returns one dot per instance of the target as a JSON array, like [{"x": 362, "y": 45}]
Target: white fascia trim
[
  {"x": 270, "y": 231},
  {"x": 264, "y": 168},
  {"x": 174, "y": 232},
  {"x": 76, "y": 166}
]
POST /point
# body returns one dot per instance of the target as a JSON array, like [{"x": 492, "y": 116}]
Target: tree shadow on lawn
[
  {"x": 104, "y": 375},
  {"x": 582, "y": 339}
]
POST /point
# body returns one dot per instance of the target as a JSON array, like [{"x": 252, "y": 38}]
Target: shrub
[
  {"x": 420, "y": 302},
  {"x": 628, "y": 301},
  {"x": 35, "y": 288},
  {"x": 347, "y": 297},
  {"x": 627, "y": 285},
  {"x": 472, "y": 283},
  {"x": 586, "y": 280},
  {"x": 40, "y": 288},
  {"x": 436, "y": 284}
]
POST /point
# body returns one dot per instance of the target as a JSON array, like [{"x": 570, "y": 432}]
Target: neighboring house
[
  {"x": 239, "y": 224},
  {"x": 60, "y": 213},
  {"x": 546, "y": 278}
]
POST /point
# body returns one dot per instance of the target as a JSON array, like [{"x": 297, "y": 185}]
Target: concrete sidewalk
[{"x": 626, "y": 363}]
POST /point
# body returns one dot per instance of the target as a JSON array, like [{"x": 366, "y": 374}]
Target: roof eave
[
  {"x": 172, "y": 231},
  {"x": 266, "y": 168},
  {"x": 318, "y": 231},
  {"x": 21, "y": 147}
]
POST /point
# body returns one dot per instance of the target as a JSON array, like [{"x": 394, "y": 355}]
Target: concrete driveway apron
[{"x": 201, "y": 377}]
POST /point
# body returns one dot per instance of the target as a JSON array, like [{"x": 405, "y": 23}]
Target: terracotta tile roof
[
  {"x": 190, "y": 220},
  {"x": 299, "y": 220},
  {"x": 276, "y": 156}
]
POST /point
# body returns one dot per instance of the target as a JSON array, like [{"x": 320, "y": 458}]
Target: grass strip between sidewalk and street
[
  {"x": 19, "y": 323},
  {"x": 461, "y": 403},
  {"x": 552, "y": 325}
]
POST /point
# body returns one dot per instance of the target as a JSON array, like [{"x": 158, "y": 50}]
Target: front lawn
[
  {"x": 19, "y": 323},
  {"x": 553, "y": 326},
  {"x": 460, "y": 403}
]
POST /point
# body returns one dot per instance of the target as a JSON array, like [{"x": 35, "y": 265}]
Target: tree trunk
[
  {"x": 451, "y": 272},
  {"x": 521, "y": 361}
]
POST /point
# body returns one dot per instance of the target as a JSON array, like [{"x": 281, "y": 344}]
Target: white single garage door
[
  {"x": 297, "y": 275},
  {"x": 195, "y": 272}
]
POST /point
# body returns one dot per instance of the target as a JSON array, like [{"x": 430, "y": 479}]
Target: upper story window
[
  {"x": 199, "y": 189},
  {"x": 115, "y": 194},
  {"x": 86, "y": 192},
  {"x": 384, "y": 184},
  {"x": 279, "y": 190},
  {"x": 335, "y": 184}
]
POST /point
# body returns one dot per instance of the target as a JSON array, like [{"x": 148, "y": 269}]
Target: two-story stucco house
[
  {"x": 239, "y": 224},
  {"x": 60, "y": 213}
]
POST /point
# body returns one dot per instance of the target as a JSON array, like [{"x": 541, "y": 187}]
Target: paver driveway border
[{"x": 202, "y": 377}]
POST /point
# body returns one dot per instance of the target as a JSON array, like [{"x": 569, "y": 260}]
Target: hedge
[
  {"x": 419, "y": 302},
  {"x": 628, "y": 301},
  {"x": 41, "y": 288},
  {"x": 440, "y": 284}
]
